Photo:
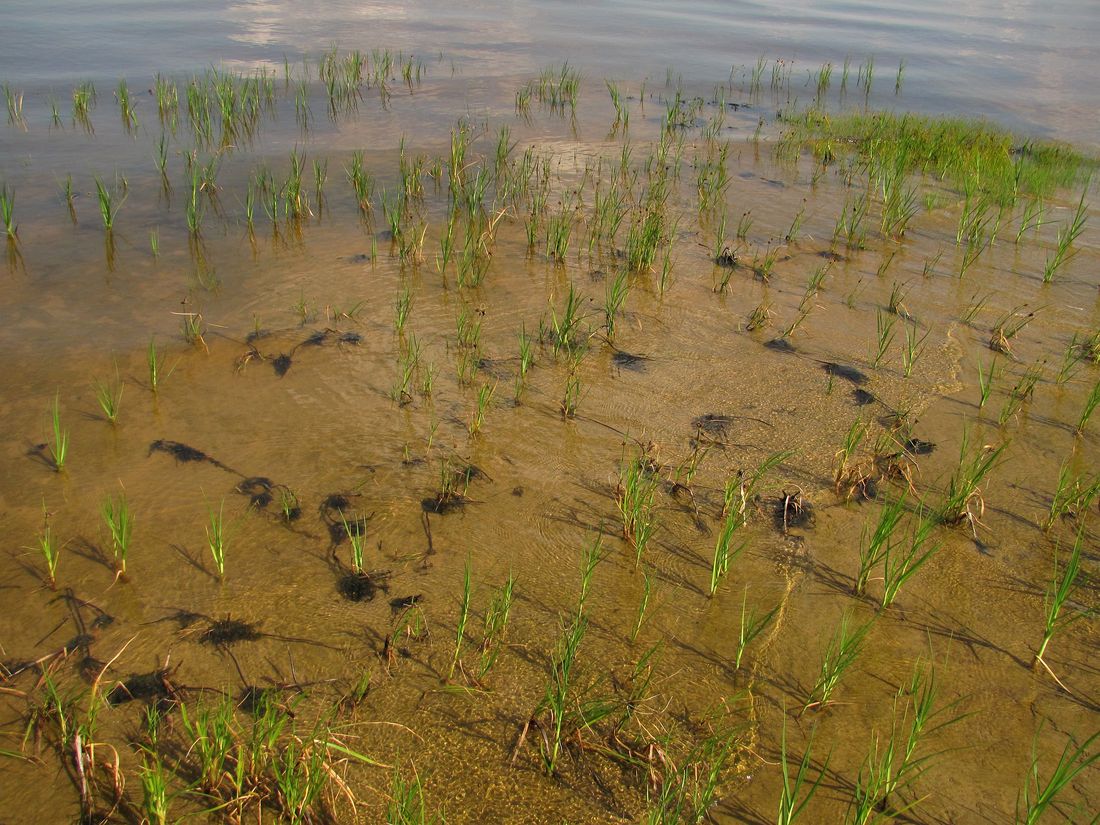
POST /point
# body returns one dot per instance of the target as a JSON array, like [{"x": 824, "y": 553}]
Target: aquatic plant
[
  {"x": 463, "y": 617},
  {"x": 356, "y": 532},
  {"x": 84, "y": 98},
  {"x": 407, "y": 805},
  {"x": 47, "y": 548},
  {"x": 687, "y": 789},
  {"x": 848, "y": 477},
  {"x": 963, "y": 501},
  {"x": 1037, "y": 795},
  {"x": 900, "y": 563},
  {"x": 7, "y": 209},
  {"x": 495, "y": 625},
  {"x": 155, "y": 798},
  {"x": 120, "y": 523},
  {"x": 792, "y": 798},
  {"x": 155, "y": 364},
  {"x": 402, "y": 308},
  {"x": 109, "y": 204},
  {"x": 985, "y": 381},
  {"x": 885, "y": 336},
  {"x": 617, "y": 290},
  {"x": 109, "y": 396},
  {"x": 1067, "y": 235},
  {"x": 1061, "y": 589},
  {"x": 888, "y": 771},
  {"x": 724, "y": 552},
  {"x": 1073, "y": 495},
  {"x": 914, "y": 347},
  {"x": 216, "y": 537},
  {"x": 752, "y": 625},
  {"x": 641, "y": 614},
  {"x": 634, "y": 497},
  {"x": 484, "y": 397},
  {"x": 873, "y": 549},
  {"x": 1091, "y": 403},
  {"x": 557, "y": 698},
  {"x": 566, "y": 330},
  {"x": 59, "y": 445},
  {"x": 843, "y": 650}
]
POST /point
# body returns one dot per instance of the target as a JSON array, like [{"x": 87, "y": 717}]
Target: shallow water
[
  {"x": 321, "y": 291},
  {"x": 1025, "y": 64}
]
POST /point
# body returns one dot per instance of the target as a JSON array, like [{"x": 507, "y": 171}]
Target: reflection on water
[{"x": 1022, "y": 63}]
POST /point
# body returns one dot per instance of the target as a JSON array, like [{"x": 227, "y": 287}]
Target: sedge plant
[
  {"x": 120, "y": 524},
  {"x": 1062, "y": 587},
  {"x": 843, "y": 650},
  {"x": 216, "y": 538},
  {"x": 59, "y": 444}
]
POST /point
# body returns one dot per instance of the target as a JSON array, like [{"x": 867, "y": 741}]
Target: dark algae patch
[
  {"x": 715, "y": 425},
  {"x": 629, "y": 361},
  {"x": 184, "y": 453},
  {"x": 845, "y": 372},
  {"x": 228, "y": 632},
  {"x": 362, "y": 587},
  {"x": 154, "y": 686}
]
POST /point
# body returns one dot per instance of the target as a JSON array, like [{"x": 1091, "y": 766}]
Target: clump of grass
[
  {"x": 155, "y": 798},
  {"x": 884, "y": 337},
  {"x": 571, "y": 397},
  {"x": 356, "y": 532},
  {"x": 109, "y": 203},
  {"x": 1007, "y": 327},
  {"x": 84, "y": 100},
  {"x": 724, "y": 551},
  {"x": 526, "y": 359},
  {"x": 109, "y": 396},
  {"x": 1062, "y": 587},
  {"x": 849, "y": 477},
  {"x": 873, "y": 549},
  {"x": 402, "y": 308},
  {"x": 496, "y": 626},
  {"x": 558, "y": 698},
  {"x": 407, "y": 805},
  {"x": 887, "y": 771},
  {"x": 688, "y": 788},
  {"x": 1091, "y": 403},
  {"x": 216, "y": 538},
  {"x": 752, "y": 625},
  {"x": 484, "y": 398},
  {"x": 362, "y": 183},
  {"x": 901, "y": 563},
  {"x": 963, "y": 501},
  {"x": 964, "y": 152},
  {"x": 48, "y": 549},
  {"x": 1073, "y": 496},
  {"x": 914, "y": 348},
  {"x": 617, "y": 290},
  {"x": 59, "y": 445},
  {"x": 566, "y": 332},
  {"x": 1023, "y": 390},
  {"x": 985, "y": 381},
  {"x": 1067, "y": 235},
  {"x": 634, "y": 497},
  {"x": 120, "y": 523},
  {"x": 792, "y": 798},
  {"x": 155, "y": 363},
  {"x": 7, "y": 210},
  {"x": 843, "y": 650},
  {"x": 463, "y": 618},
  {"x": 192, "y": 327},
  {"x": 1037, "y": 796},
  {"x": 643, "y": 605},
  {"x": 760, "y": 316}
]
